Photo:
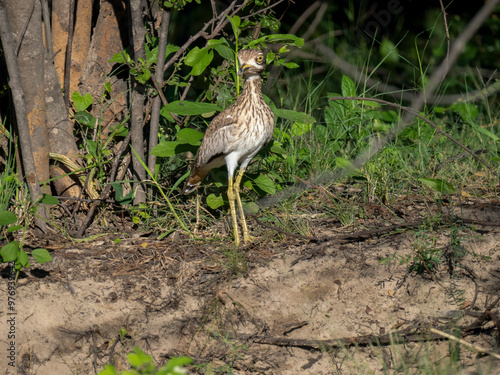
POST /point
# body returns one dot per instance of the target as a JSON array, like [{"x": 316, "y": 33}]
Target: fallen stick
[{"x": 474, "y": 348}]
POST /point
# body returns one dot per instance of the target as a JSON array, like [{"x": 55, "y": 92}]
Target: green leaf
[
  {"x": 41, "y": 255},
  {"x": 199, "y": 59},
  {"x": 389, "y": 116},
  {"x": 81, "y": 102},
  {"x": 92, "y": 147},
  {"x": 176, "y": 362},
  {"x": 121, "y": 57},
  {"x": 265, "y": 183},
  {"x": 225, "y": 52},
  {"x": 10, "y": 251},
  {"x": 119, "y": 198},
  {"x": 202, "y": 64},
  {"x": 270, "y": 57},
  {"x": 138, "y": 358},
  {"x": 389, "y": 51},
  {"x": 283, "y": 49},
  {"x": 108, "y": 370},
  {"x": 348, "y": 87},
  {"x": 119, "y": 130},
  {"x": 290, "y": 39},
  {"x": 85, "y": 118},
  {"x": 171, "y": 49},
  {"x": 299, "y": 129},
  {"x": 193, "y": 56},
  {"x": 438, "y": 185},
  {"x": 165, "y": 149},
  {"x": 49, "y": 199},
  {"x": 294, "y": 116},
  {"x": 189, "y": 136},
  {"x": 214, "y": 201},
  {"x": 291, "y": 65},
  {"x": 212, "y": 43},
  {"x": 467, "y": 111},
  {"x": 22, "y": 258},
  {"x": 485, "y": 132},
  {"x": 183, "y": 107},
  {"x": 348, "y": 166},
  {"x": 277, "y": 149},
  {"x": 235, "y": 24},
  {"x": 7, "y": 217},
  {"x": 14, "y": 228}
]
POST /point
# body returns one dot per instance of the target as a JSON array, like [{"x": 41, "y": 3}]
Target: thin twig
[
  {"x": 214, "y": 12},
  {"x": 263, "y": 10}
]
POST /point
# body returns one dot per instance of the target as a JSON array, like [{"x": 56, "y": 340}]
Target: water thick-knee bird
[{"x": 235, "y": 136}]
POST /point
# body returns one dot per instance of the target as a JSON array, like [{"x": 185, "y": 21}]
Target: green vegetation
[
  {"x": 13, "y": 251},
  {"x": 142, "y": 364},
  {"x": 321, "y": 138}
]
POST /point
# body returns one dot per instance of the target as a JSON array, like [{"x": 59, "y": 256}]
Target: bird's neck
[{"x": 253, "y": 86}]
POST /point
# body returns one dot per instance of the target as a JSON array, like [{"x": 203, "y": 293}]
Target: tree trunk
[
  {"x": 108, "y": 38},
  {"x": 81, "y": 38},
  {"x": 61, "y": 137},
  {"x": 26, "y": 82},
  {"x": 31, "y": 67}
]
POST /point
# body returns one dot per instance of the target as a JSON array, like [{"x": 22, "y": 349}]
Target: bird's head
[{"x": 251, "y": 62}]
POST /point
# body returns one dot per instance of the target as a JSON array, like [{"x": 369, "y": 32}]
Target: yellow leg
[
  {"x": 246, "y": 235},
  {"x": 230, "y": 197}
]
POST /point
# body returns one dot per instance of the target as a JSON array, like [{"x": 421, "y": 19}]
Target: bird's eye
[{"x": 260, "y": 58}]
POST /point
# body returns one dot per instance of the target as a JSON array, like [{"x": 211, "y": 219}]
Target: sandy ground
[{"x": 185, "y": 298}]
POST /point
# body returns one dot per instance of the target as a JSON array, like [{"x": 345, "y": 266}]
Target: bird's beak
[{"x": 243, "y": 69}]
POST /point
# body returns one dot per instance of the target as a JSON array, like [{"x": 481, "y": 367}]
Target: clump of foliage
[{"x": 142, "y": 364}]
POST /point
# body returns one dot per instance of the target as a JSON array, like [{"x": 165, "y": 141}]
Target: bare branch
[
  {"x": 317, "y": 19},
  {"x": 304, "y": 16},
  {"x": 262, "y": 10}
]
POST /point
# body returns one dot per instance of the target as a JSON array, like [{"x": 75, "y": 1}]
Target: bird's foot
[{"x": 247, "y": 239}]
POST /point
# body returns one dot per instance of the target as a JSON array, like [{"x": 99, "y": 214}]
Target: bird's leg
[
  {"x": 246, "y": 236},
  {"x": 230, "y": 197}
]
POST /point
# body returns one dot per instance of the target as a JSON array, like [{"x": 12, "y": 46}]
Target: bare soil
[{"x": 267, "y": 308}]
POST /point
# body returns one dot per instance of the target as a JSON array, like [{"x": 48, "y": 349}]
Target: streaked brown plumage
[{"x": 236, "y": 135}]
